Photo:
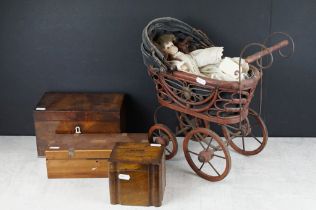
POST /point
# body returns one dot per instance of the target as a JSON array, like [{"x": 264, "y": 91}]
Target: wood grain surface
[
  {"x": 143, "y": 169},
  {"x": 57, "y": 115}
]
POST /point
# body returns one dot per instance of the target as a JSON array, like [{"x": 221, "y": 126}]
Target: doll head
[{"x": 165, "y": 43}]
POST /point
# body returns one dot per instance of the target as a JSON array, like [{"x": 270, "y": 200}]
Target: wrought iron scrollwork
[
  {"x": 228, "y": 103},
  {"x": 287, "y": 37},
  {"x": 187, "y": 94}
]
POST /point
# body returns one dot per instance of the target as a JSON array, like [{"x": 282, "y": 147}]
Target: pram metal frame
[
  {"x": 168, "y": 96},
  {"x": 199, "y": 101}
]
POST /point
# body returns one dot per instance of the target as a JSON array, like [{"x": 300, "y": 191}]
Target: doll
[{"x": 203, "y": 62}]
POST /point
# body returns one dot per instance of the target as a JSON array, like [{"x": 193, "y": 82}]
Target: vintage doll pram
[{"x": 199, "y": 101}]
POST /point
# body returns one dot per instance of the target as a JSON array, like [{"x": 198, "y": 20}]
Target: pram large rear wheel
[
  {"x": 251, "y": 138},
  {"x": 207, "y": 154},
  {"x": 161, "y": 134}
]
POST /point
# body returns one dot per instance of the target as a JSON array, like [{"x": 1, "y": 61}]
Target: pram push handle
[{"x": 266, "y": 51}]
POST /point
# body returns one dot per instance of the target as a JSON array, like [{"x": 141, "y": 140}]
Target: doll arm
[{"x": 181, "y": 66}]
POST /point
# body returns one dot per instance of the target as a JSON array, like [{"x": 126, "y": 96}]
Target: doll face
[{"x": 170, "y": 48}]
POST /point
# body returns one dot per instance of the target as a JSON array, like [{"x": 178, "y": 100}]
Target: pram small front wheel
[
  {"x": 251, "y": 138},
  {"x": 207, "y": 154},
  {"x": 161, "y": 134}
]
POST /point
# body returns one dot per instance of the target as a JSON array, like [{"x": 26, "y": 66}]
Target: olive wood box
[
  {"x": 137, "y": 174},
  {"x": 88, "y": 160},
  {"x": 76, "y": 118}
]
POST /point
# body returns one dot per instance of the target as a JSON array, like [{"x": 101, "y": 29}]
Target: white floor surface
[{"x": 282, "y": 177}]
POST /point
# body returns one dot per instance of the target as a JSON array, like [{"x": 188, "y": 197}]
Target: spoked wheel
[
  {"x": 161, "y": 134},
  {"x": 207, "y": 154},
  {"x": 251, "y": 138}
]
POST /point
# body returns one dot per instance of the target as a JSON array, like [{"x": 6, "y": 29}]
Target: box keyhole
[{"x": 77, "y": 130}]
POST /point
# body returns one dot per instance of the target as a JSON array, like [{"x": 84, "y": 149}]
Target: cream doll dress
[{"x": 208, "y": 62}]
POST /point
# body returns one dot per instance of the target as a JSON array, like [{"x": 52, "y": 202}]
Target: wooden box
[
  {"x": 86, "y": 160},
  {"x": 76, "y": 118},
  {"x": 137, "y": 174}
]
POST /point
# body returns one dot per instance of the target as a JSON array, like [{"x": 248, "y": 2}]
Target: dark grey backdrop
[{"x": 95, "y": 46}]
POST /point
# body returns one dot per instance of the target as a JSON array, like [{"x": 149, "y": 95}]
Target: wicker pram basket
[{"x": 198, "y": 102}]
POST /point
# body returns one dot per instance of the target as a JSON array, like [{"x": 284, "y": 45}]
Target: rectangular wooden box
[
  {"x": 86, "y": 160},
  {"x": 137, "y": 174},
  {"x": 76, "y": 118}
]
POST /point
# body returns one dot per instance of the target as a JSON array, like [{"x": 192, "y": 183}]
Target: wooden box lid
[
  {"x": 95, "y": 141},
  {"x": 101, "y": 102},
  {"x": 141, "y": 153},
  {"x": 74, "y": 106},
  {"x": 65, "y": 154}
]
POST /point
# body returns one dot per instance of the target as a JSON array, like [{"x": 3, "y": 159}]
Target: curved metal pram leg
[
  {"x": 156, "y": 113},
  {"x": 161, "y": 134},
  {"x": 207, "y": 154},
  {"x": 188, "y": 123},
  {"x": 251, "y": 138}
]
